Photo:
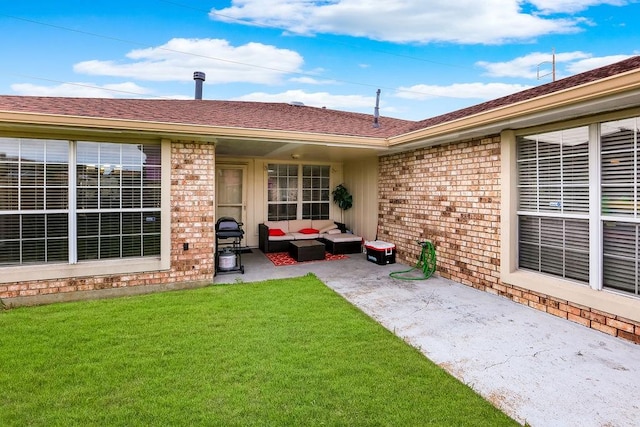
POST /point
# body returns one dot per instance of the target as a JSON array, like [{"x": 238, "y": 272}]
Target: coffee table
[{"x": 306, "y": 250}]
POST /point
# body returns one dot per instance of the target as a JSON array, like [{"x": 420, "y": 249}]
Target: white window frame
[
  {"x": 300, "y": 188},
  {"x": 593, "y": 295},
  {"x": 112, "y": 266}
]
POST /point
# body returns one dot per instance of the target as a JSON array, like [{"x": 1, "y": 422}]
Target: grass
[{"x": 274, "y": 353}]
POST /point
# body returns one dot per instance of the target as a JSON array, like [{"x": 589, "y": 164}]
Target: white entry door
[{"x": 231, "y": 197}]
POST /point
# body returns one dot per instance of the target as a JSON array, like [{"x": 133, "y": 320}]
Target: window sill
[
  {"x": 110, "y": 267},
  {"x": 609, "y": 302}
]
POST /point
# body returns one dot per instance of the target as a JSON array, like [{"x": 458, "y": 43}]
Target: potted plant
[{"x": 343, "y": 199}]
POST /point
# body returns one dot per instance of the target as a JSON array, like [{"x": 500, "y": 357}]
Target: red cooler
[{"x": 380, "y": 252}]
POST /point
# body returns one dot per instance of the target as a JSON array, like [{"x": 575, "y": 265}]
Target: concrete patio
[{"x": 537, "y": 368}]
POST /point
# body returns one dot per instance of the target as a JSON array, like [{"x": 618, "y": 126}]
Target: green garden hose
[{"x": 426, "y": 263}]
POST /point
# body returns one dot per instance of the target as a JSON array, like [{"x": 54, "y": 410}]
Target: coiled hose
[{"x": 426, "y": 263}]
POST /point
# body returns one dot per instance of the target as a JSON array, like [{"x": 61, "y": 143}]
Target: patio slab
[{"x": 537, "y": 368}]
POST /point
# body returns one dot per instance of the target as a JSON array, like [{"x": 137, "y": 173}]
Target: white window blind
[
  {"x": 33, "y": 201},
  {"x": 620, "y": 180},
  {"x": 117, "y": 187},
  {"x": 553, "y": 203}
]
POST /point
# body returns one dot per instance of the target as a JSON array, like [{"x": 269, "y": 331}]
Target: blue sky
[{"x": 426, "y": 57}]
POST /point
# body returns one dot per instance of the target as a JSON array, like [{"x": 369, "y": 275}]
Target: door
[{"x": 231, "y": 198}]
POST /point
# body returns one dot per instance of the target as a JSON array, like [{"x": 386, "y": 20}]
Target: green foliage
[
  {"x": 274, "y": 353},
  {"x": 342, "y": 198}
]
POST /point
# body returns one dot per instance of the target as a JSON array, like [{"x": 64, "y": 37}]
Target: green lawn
[{"x": 274, "y": 353}]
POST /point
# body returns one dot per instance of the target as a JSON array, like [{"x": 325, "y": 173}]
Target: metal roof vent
[
  {"x": 376, "y": 111},
  {"x": 199, "y": 77}
]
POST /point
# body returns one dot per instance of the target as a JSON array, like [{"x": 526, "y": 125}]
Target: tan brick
[
  {"x": 578, "y": 319},
  {"x": 570, "y": 309},
  {"x": 537, "y": 306},
  {"x": 623, "y": 326},
  {"x": 629, "y": 336},
  {"x": 531, "y": 297},
  {"x": 591, "y": 315},
  {"x": 604, "y": 328},
  {"x": 557, "y": 312}
]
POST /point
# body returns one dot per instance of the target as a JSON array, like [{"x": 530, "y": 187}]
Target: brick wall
[
  {"x": 451, "y": 195},
  {"x": 192, "y": 221}
]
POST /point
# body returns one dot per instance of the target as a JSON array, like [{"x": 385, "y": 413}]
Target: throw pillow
[
  {"x": 329, "y": 227},
  {"x": 276, "y": 232},
  {"x": 308, "y": 231}
]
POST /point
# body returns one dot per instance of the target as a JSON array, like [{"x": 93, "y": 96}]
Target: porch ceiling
[{"x": 287, "y": 150}]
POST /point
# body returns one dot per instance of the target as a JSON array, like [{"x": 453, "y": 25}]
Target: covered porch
[{"x": 260, "y": 180}]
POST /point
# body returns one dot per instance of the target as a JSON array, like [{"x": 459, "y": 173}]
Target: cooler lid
[{"x": 378, "y": 245}]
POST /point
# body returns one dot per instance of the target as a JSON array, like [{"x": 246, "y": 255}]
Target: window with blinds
[
  {"x": 297, "y": 192},
  {"x": 620, "y": 208},
  {"x": 553, "y": 203},
  {"x": 117, "y": 190},
  {"x": 34, "y": 177},
  {"x": 118, "y": 202}
]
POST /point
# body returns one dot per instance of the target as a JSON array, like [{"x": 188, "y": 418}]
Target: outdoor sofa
[{"x": 275, "y": 236}]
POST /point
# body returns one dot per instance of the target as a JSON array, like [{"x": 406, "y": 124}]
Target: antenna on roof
[
  {"x": 376, "y": 111},
  {"x": 199, "y": 77},
  {"x": 553, "y": 66}
]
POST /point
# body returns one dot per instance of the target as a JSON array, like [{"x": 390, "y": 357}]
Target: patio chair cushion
[
  {"x": 333, "y": 231},
  {"x": 295, "y": 225},
  {"x": 342, "y": 237},
  {"x": 282, "y": 225}
]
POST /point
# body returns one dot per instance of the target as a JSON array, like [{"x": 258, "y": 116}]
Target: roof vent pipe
[
  {"x": 376, "y": 111},
  {"x": 199, "y": 77}
]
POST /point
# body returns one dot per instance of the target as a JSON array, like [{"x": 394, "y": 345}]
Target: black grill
[
  {"x": 228, "y": 228},
  {"x": 228, "y": 238}
]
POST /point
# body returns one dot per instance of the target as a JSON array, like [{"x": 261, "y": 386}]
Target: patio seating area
[{"x": 537, "y": 368}]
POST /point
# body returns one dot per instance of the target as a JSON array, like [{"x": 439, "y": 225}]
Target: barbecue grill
[{"x": 228, "y": 258}]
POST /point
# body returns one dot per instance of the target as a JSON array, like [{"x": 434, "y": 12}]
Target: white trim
[
  {"x": 108, "y": 267},
  {"x": 595, "y": 222},
  {"x": 72, "y": 234}
]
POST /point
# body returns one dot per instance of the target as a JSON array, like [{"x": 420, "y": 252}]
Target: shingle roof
[
  {"x": 280, "y": 116},
  {"x": 237, "y": 114},
  {"x": 566, "y": 83}
]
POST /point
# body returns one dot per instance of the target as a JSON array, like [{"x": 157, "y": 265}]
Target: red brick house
[{"x": 534, "y": 196}]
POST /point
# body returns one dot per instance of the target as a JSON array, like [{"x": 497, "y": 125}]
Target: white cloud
[
  {"x": 527, "y": 66},
  {"x": 177, "y": 59},
  {"x": 539, "y": 64},
  {"x": 461, "y": 21},
  {"x": 316, "y": 99},
  {"x": 483, "y": 91},
  {"x": 592, "y": 63},
  {"x": 571, "y": 6},
  {"x": 312, "y": 81},
  {"x": 82, "y": 90}
]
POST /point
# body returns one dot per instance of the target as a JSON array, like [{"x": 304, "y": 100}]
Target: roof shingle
[
  {"x": 280, "y": 116},
  {"x": 237, "y": 114}
]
